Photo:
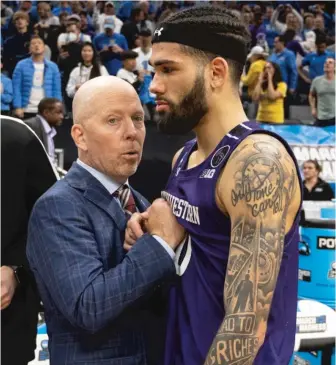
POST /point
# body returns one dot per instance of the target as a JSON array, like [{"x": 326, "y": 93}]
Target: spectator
[
  {"x": 109, "y": 11},
  {"x": 86, "y": 27},
  {"x": 63, "y": 7},
  {"x": 73, "y": 33},
  {"x": 46, "y": 18},
  {"x": 144, "y": 51},
  {"x": 319, "y": 23},
  {"x": 314, "y": 188},
  {"x": 16, "y": 48},
  {"x": 286, "y": 60},
  {"x": 309, "y": 24},
  {"x": 33, "y": 79},
  {"x": 149, "y": 11},
  {"x": 322, "y": 95},
  {"x": 315, "y": 61},
  {"x": 76, "y": 7},
  {"x": 270, "y": 93},
  {"x": 26, "y": 174},
  {"x": 6, "y": 93},
  {"x": 173, "y": 7},
  {"x": 309, "y": 44},
  {"x": 293, "y": 19},
  {"x": 109, "y": 45},
  {"x": 256, "y": 28},
  {"x": 88, "y": 68},
  {"x": 292, "y": 44},
  {"x": 127, "y": 72},
  {"x": 131, "y": 28},
  {"x": 270, "y": 31},
  {"x": 50, "y": 115},
  {"x": 257, "y": 58}
]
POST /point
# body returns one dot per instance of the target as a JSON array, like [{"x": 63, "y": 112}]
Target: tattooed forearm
[{"x": 263, "y": 186}]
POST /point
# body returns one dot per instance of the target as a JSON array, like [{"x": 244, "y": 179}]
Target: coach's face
[
  {"x": 111, "y": 139},
  {"x": 179, "y": 87}
]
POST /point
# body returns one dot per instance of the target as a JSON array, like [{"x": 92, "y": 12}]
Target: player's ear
[{"x": 219, "y": 72}]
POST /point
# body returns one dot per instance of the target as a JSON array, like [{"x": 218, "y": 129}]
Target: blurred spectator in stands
[
  {"x": 293, "y": 19},
  {"x": 314, "y": 188},
  {"x": 76, "y": 7},
  {"x": 320, "y": 28},
  {"x": 6, "y": 15},
  {"x": 6, "y": 93},
  {"x": 292, "y": 44},
  {"x": 262, "y": 42},
  {"x": 270, "y": 92},
  {"x": 257, "y": 58},
  {"x": 315, "y": 61},
  {"x": 46, "y": 18},
  {"x": 63, "y": 18},
  {"x": 247, "y": 17},
  {"x": 127, "y": 72},
  {"x": 16, "y": 47},
  {"x": 50, "y": 115},
  {"x": 86, "y": 27},
  {"x": 109, "y": 45},
  {"x": 73, "y": 33},
  {"x": 88, "y": 68},
  {"x": 63, "y": 7},
  {"x": 309, "y": 44},
  {"x": 286, "y": 60},
  {"x": 309, "y": 23},
  {"x": 90, "y": 8},
  {"x": 322, "y": 95},
  {"x": 109, "y": 11},
  {"x": 256, "y": 28},
  {"x": 149, "y": 10},
  {"x": 173, "y": 7},
  {"x": 270, "y": 31},
  {"x": 132, "y": 27},
  {"x": 144, "y": 51},
  {"x": 33, "y": 79}
]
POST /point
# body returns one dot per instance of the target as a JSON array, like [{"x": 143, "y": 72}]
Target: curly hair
[{"x": 217, "y": 20}]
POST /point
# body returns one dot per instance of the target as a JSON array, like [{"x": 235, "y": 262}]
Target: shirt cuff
[{"x": 165, "y": 245}]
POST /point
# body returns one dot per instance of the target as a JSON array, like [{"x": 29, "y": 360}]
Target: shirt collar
[
  {"x": 110, "y": 185},
  {"x": 50, "y": 131}
]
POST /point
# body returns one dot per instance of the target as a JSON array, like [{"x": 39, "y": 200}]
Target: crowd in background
[{"x": 50, "y": 48}]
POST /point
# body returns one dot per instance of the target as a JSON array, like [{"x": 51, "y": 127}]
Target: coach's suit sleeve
[{"x": 63, "y": 247}]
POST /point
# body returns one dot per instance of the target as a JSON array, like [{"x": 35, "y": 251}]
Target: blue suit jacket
[{"x": 93, "y": 292}]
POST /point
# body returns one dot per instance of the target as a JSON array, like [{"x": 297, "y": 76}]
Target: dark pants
[
  {"x": 325, "y": 122},
  {"x": 289, "y": 100}
]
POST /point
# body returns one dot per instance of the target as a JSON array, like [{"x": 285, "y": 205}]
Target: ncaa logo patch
[{"x": 219, "y": 156}]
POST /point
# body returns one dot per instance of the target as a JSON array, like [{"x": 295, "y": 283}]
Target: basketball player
[{"x": 236, "y": 191}]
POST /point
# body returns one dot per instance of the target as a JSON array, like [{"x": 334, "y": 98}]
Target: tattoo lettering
[{"x": 264, "y": 186}]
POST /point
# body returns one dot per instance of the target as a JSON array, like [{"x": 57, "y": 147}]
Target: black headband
[{"x": 203, "y": 39}]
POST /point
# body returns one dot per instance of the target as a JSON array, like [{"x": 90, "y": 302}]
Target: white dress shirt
[
  {"x": 51, "y": 133},
  {"x": 111, "y": 186}
]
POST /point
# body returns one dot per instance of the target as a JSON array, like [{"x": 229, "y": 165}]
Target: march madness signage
[{"x": 310, "y": 143}]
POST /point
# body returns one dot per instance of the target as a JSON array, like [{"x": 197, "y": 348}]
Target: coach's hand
[
  {"x": 135, "y": 229},
  {"x": 8, "y": 286},
  {"x": 162, "y": 222}
]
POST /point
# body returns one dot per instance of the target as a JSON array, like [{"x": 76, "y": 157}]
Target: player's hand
[
  {"x": 135, "y": 229},
  {"x": 162, "y": 222},
  {"x": 19, "y": 113},
  {"x": 8, "y": 286},
  {"x": 314, "y": 112}
]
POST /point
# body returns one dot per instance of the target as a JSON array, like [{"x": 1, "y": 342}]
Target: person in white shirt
[
  {"x": 144, "y": 51},
  {"x": 73, "y": 32},
  {"x": 127, "y": 72},
  {"x": 98, "y": 19},
  {"x": 46, "y": 18},
  {"x": 88, "y": 68}
]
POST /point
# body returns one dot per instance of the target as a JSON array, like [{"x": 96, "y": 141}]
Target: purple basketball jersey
[{"x": 196, "y": 307}]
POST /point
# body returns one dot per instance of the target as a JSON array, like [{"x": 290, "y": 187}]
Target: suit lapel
[
  {"x": 96, "y": 193},
  {"x": 43, "y": 134}
]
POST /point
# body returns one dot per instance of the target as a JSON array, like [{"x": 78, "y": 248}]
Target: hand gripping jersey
[{"x": 196, "y": 308}]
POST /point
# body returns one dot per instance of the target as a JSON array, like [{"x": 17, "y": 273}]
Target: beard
[{"x": 184, "y": 117}]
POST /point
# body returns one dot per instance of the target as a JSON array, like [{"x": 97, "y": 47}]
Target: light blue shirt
[
  {"x": 51, "y": 133},
  {"x": 111, "y": 186}
]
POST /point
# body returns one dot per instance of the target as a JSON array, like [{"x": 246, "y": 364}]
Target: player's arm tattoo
[{"x": 257, "y": 200}]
